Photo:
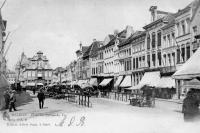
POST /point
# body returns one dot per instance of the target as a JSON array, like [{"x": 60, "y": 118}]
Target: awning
[
  {"x": 93, "y": 81},
  {"x": 166, "y": 82},
  {"x": 126, "y": 82},
  {"x": 136, "y": 87},
  {"x": 80, "y": 82},
  {"x": 190, "y": 69},
  {"x": 39, "y": 75},
  {"x": 150, "y": 78},
  {"x": 195, "y": 83},
  {"x": 3, "y": 81},
  {"x": 119, "y": 79},
  {"x": 105, "y": 82},
  {"x": 40, "y": 84},
  {"x": 30, "y": 84}
]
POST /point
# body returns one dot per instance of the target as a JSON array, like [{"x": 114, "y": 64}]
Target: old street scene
[{"x": 100, "y": 66}]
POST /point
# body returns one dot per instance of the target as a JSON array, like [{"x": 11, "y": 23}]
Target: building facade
[{"x": 36, "y": 71}]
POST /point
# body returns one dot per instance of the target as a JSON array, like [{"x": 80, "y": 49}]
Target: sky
[{"x": 57, "y": 27}]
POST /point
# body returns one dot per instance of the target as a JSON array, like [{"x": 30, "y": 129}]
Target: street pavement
[{"x": 105, "y": 116}]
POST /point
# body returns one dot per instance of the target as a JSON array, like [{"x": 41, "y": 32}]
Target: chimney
[
  {"x": 80, "y": 45},
  {"x": 129, "y": 31},
  {"x": 94, "y": 40},
  {"x": 116, "y": 32},
  {"x": 153, "y": 10}
]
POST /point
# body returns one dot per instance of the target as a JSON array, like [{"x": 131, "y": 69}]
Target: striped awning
[{"x": 105, "y": 82}]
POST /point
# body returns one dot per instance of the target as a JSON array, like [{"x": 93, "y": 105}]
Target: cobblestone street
[{"x": 104, "y": 116}]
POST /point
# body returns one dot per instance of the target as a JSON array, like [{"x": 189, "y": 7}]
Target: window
[
  {"x": 129, "y": 51},
  {"x": 140, "y": 59},
  {"x": 159, "y": 39},
  {"x": 188, "y": 52},
  {"x": 173, "y": 58},
  {"x": 183, "y": 54},
  {"x": 178, "y": 29},
  {"x": 164, "y": 39},
  {"x": 183, "y": 28},
  {"x": 154, "y": 59},
  {"x": 159, "y": 58},
  {"x": 148, "y": 41},
  {"x": 153, "y": 40},
  {"x": 173, "y": 39},
  {"x": 168, "y": 41},
  {"x": 136, "y": 63},
  {"x": 165, "y": 61},
  {"x": 133, "y": 63},
  {"x": 178, "y": 56},
  {"x": 169, "y": 59},
  {"x": 148, "y": 61}
]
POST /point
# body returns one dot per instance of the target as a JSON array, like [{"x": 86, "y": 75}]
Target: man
[
  {"x": 12, "y": 101},
  {"x": 7, "y": 99},
  {"x": 190, "y": 107},
  {"x": 41, "y": 98},
  {"x": 33, "y": 90}
]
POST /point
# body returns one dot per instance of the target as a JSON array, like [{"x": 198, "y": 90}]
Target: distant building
[
  {"x": 35, "y": 71},
  {"x": 11, "y": 76}
]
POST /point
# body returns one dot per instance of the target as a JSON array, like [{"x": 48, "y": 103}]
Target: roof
[
  {"x": 92, "y": 50},
  {"x": 132, "y": 37},
  {"x": 167, "y": 18},
  {"x": 194, "y": 5}
]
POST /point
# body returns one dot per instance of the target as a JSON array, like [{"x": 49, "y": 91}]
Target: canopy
[
  {"x": 119, "y": 79},
  {"x": 150, "y": 78},
  {"x": 105, "y": 82},
  {"x": 86, "y": 85},
  {"x": 192, "y": 84},
  {"x": 80, "y": 82},
  {"x": 137, "y": 87},
  {"x": 190, "y": 69},
  {"x": 166, "y": 82},
  {"x": 93, "y": 81},
  {"x": 30, "y": 84},
  {"x": 3, "y": 81},
  {"x": 126, "y": 82}
]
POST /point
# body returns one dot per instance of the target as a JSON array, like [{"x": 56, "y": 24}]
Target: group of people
[
  {"x": 190, "y": 106},
  {"x": 10, "y": 99}
]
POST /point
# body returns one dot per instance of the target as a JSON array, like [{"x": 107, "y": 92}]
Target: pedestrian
[
  {"x": 41, "y": 98},
  {"x": 190, "y": 107},
  {"x": 33, "y": 90},
  {"x": 12, "y": 101},
  {"x": 7, "y": 98}
]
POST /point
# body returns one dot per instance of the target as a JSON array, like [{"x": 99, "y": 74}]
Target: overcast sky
[{"x": 56, "y": 27}]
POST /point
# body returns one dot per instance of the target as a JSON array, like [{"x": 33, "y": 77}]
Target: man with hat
[
  {"x": 41, "y": 98},
  {"x": 12, "y": 101}
]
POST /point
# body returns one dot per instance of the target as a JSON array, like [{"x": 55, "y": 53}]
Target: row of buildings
[{"x": 129, "y": 58}]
